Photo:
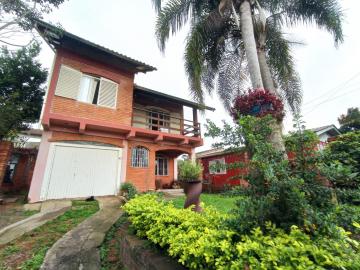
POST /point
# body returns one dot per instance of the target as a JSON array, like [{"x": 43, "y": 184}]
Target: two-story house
[{"x": 100, "y": 129}]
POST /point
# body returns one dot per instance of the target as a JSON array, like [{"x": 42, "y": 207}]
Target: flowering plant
[{"x": 258, "y": 102}]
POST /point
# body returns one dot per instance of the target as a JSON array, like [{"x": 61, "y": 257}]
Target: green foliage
[
  {"x": 285, "y": 192},
  {"x": 189, "y": 171},
  {"x": 128, "y": 190},
  {"x": 350, "y": 196},
  {"x": 201, "y": 241},
  {"x": 21, "y": 90},
  {"x": 350, "y": 121},
  {"x": 214, "y": 50},
  {"x": 24, "y": 12},
  {"x": 344, "y": 216},
  {"x": 343, "y": 157}
]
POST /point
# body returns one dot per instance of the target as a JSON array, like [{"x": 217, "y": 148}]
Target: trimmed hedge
[{"x": 202, "y": 241}]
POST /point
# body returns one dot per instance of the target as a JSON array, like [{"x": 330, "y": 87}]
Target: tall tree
[
  {"x": 21, "y": 89},
  {"x": 232, "y": 40},
  {"x": 350, "y": 121},
  {"x": 17, "y": 16}
]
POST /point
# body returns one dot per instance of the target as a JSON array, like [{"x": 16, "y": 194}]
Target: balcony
[{"x": 165, "y": 122}]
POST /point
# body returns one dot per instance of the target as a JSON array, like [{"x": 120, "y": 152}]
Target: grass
[
  {"x": 222, "y": 203},
  {"x": 28, "y": 251}
]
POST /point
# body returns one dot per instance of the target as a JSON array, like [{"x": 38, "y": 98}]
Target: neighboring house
[
  {"x": 100, "y": 129},
  {"x": 326, "y": 134},
  {"x": 218, "y": 178},
  {"x": 17, "y": 161}
]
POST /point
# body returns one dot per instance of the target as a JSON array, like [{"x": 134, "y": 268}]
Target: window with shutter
[
  {"x": 68, "y": 83},
  {"x": 107, "y": 93}
]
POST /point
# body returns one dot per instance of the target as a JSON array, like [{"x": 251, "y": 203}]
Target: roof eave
[
  {"x": 56, "y": 37},
  {"x": 174, "y": 99}
]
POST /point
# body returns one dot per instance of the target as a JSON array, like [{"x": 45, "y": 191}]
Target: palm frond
[
  {"x": 326, "y": 14},
  {"x": 282, "y": 65},
  {"x": 157, "y": 5},
  {"x": 171, "y": 18}
]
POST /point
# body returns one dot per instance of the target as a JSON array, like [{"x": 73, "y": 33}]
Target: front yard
[
  {"x": 222, "y": 203},
  {"x": 28, "y": 251}
]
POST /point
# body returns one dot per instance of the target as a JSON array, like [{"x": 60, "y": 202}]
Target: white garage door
[{"x": 76, "y": 170}]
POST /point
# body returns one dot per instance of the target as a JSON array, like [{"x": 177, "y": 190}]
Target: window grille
[{"x": 140, "y": 157}]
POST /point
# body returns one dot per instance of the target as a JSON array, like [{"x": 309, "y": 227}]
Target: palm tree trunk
[
  {"x": 276, "y": 138},
  {"x": 247, "y": 30},
  {"x": 264, "y": 67}
]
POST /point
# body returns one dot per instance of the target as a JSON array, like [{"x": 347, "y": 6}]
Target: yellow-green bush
[{"x": 202, "y": 241}]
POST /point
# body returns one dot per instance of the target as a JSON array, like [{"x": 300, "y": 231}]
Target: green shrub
[
  {"x": 346, "y": 150},
  {"x": 351, "y": 196},
  {"x": 189, "y": 171},
  {"x": 128, "y": 190},
  {"x": 202, "y": 241},
  {"x": 344, "y": 216}
]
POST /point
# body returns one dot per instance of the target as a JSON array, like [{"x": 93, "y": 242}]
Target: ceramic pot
[{"x": 192, "y": 191}]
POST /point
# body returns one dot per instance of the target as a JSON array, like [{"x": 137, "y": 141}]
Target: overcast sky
[{"x": 330, "y": 76}]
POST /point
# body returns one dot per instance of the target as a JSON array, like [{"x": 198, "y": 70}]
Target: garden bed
[
  {"x": 121, "y": 249},
  {"x": 28, "y": 251}
]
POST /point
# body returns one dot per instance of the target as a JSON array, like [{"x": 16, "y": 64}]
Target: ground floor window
[
  {"x": 161, "y": 165},
  {"x": 140, "y": 157},
  {"x": 217, "y": 166}
]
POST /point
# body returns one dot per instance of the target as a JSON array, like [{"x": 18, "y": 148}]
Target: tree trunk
[
  {"x": 264, "y": 67},
  {"x": 247, "y": 30},
  {"x": 276, "y": 138}
]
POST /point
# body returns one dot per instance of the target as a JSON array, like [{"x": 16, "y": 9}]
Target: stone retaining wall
[{"x": 136, "y": 254}]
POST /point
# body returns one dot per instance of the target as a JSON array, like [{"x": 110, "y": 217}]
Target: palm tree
[{"x": 231, "y": 41}]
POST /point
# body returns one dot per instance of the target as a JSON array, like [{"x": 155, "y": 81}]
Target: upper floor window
[
  {"x": 159, "y": 120},
  {"x": 76, "y": 85},
  {"x": 217, "y": 166},
  {"x": 140, "y": 157},
  {"x": 89, "y": 89}
]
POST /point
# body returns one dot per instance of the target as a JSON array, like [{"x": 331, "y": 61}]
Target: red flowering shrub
[{"x": 258, "y": 102}]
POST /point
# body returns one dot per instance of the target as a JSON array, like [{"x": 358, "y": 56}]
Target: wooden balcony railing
[{"x": 164, "y": 122}]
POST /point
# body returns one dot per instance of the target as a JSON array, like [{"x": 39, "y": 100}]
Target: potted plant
[
  {"x": 258, "y": 102},
  {"x": 189, "y": 176}
]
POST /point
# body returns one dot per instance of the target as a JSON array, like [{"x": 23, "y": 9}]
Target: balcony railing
[{"x": 164, "y": 122}]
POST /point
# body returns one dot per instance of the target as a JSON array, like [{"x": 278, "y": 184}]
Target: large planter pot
[{"x": 192, "y": 191}]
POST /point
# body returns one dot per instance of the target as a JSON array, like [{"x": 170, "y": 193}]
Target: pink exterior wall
[{"x": 40, "y": 166}]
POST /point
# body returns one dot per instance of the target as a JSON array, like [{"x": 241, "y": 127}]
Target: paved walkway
[
  {"x": 78, "y": 248},
  {"x": 49, "y": 211},
  {"x": 172, "y": 193}
]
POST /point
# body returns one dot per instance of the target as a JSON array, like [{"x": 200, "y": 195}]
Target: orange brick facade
[
  {"x": 68, "y": 107},
  {"x": 64, "y": 136},
  {"x": 144, "y": 178},
  {"x": 117, "y": 127}
]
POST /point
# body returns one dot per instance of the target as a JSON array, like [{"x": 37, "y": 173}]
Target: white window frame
[
  {"x": 92, "y": 77},
  {"x": 213, "y": 162},
  {"x": 139, "y": 161},
  {"x": 166, "y": 159}
]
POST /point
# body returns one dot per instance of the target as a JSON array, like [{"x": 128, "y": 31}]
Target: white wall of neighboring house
[{"x": 324, "y": 137}]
